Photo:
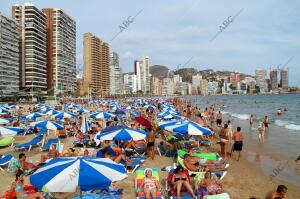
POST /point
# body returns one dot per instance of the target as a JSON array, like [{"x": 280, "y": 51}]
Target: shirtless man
[
  {"x": 219, "y": 118},
  {"x": 150, "y": 144},
  {"x": 266, "y": 121},
  {"x": 279, "y": 193},
  {"x": 238, "y": 138},
  {"x": 196, "y": 164}
]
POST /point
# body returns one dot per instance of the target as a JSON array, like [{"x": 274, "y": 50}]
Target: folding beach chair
[
  {"x": 140, "y": 174},
  {"x": 49, "y": 143},
  {"x": 7, "y": 141},
  {"x": 162, "y": 151},
  {"x": 28, "y": 145},
  {"x": 4, "y": 160},
  {"x": 172, "y": 193}
]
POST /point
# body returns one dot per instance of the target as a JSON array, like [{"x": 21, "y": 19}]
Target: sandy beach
[{"x": 244, "y": 179}]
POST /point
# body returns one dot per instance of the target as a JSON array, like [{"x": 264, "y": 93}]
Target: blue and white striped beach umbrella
[
  {"x": 84, "y": 125},
  {"x": 102, "y": 115},
  {"x": 5, "y": 120},
  {"x": 63, "y": 115},
  {"x": 87, "y": 173},
  {"x": 3, "y": 109},
  {"x": 120, "y": 133},
  {"x": 187, "y": 127},
  {"x": 52, "y": 112},
  {"x": 169, "y": 115},
  {"x": 82, "y": 110},
  {"x": 10, "y": 131},
  {"x": 49, "y": 125},
  {"x": 34, "y": 115}
]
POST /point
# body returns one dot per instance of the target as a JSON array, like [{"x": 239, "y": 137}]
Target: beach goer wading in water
[
  {"x": 266, "y": 122},
  {"x": 261, "y": 132}
]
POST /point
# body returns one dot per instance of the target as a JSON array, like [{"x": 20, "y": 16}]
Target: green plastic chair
[{"x": 7, "y": 141}]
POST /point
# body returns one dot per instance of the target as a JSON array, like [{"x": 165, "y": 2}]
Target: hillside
[
  {"x": 186, "y": 74},
  {"x": 159, "y": 71}
]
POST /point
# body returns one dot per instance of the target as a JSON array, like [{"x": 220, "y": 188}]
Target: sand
[{"x": 244, "y": 179}]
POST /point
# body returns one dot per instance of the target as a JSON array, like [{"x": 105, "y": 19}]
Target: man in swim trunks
[
  {"x": 238, "y": 138},
  {"x": 266, "y": 121},
  {"x": 150, "y": 144},
  {"x": 219, "y": 118}
]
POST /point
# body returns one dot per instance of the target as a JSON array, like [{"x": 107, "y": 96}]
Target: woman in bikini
[
  {"x": 179, "y": 180},
  {"x": 150, "y": 184}
]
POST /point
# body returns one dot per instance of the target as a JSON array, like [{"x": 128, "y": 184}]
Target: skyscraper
[
  {"x": 284, "y": 79},
  {"x": 96, "y": 65},
  {"x": 33, "y": 67},
  {"x": 61, "y": 50},
  {"x": 9, "y": 56},
  {"x": 141, "y": 69},
  {"x": 130, "y": 83},
  {"x": 274, "y": 79},
  {"x": 260, "y": 76},
  {"x": 115, "y": 74}
]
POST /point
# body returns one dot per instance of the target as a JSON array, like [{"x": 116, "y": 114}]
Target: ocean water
[{"x": 284, "y": 130}]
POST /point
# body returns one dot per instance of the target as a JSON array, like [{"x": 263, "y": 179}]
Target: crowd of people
[{"x": 231, "y": 145}]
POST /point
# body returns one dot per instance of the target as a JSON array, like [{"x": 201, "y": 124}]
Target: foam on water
[
  {"x": 287, "y": 125},
  {"x": 241, "y": 116}
]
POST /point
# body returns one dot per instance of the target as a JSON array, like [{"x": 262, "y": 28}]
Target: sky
[{"x": 221, "y": 35}]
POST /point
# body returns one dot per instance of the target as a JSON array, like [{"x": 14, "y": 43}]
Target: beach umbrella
[
  {"x": 187, "y": 127},
  {"x": 120, "y": 133},
  {"x": 82, "y": 110},
  {"x": 150, "y": 106},
  {"x": 68, "y": 173},
  {"x": 102, "y": 115},
  {"x": 52, "y": 112},
  {"x": 33, "y": 116},
  {"x": 63, "y": 115},
  {"x": 84, "y": 125},
  {"x": 162, "y": 124},
  {"x": 10, "y": 131},
  {"x": 49, "y": 125},
  {"x": 143, "y": 121},
  {"x": 5, "y": 120},
  {"x": 3, "y": 109},
  {"x": 130, "y": 107},
  {"x": 169, "y": 115}
]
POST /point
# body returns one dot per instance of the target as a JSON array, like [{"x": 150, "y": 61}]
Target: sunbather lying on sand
[
  {"x": 196, "y": 164},
  {"x": 53, "y": 153}
]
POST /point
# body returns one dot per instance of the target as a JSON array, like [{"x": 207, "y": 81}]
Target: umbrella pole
[{"x": 80, "y": 194}]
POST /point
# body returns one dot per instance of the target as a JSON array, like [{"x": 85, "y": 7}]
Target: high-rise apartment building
[
  {"x": 273, "y": 80},
  {"x": 130, "y": 83},
  {"x": 33, "y": 67},
  {"x": 284, "y": 79},
  {"x": 234, "y": 79},
  {"x": 141, "y": 69},
  {"x": 156, "y": 85},
  {"x": 9, "y": 56},
  {"x": 96, "y": 65},
  {"x": 115, "y": 74},
  {"x": 61, "y": 51},
  {"x": 260, "y": 76}
]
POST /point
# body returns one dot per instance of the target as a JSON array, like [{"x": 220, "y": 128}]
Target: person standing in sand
[
  {"x": 230, "y": 135},
  {"x": 261, "y": 133},
  {"x": 238, "y": 138},
  {"x": 150, "y": 144}
]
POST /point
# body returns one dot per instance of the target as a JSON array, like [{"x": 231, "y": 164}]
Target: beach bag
[{"x": 8, "y": 194}]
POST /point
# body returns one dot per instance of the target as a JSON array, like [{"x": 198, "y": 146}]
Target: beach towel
[
  {"x": 218, "y": 196},
  {"x": 209, "y": 156},
  {"x": 140, "y": 174}
]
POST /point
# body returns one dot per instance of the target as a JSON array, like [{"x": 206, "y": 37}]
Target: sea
[{"x": 282, "y": 140}]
